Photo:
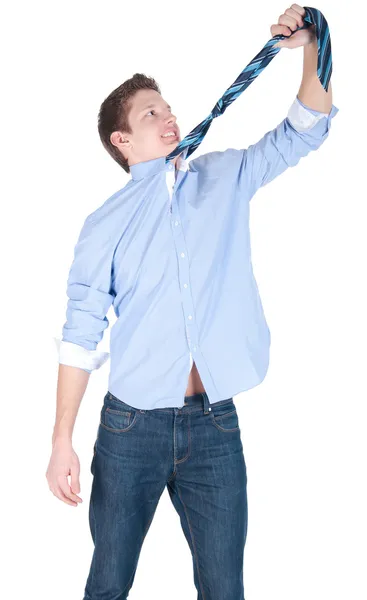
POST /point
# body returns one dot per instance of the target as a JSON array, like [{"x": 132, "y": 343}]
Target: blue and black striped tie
[{"x": 324, "y": 69}]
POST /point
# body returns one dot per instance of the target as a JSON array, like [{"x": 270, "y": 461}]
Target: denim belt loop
[{"x": 207, "y": 408}]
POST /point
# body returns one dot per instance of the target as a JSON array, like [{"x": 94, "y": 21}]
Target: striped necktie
[{"x": 324, "y": 69}]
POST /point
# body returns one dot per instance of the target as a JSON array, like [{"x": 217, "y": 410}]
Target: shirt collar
[{"x": 156, "y": 165}]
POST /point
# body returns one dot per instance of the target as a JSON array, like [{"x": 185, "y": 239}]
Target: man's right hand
[{"x": 64, "y": 462}]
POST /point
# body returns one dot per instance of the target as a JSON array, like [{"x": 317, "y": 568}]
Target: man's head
[{"x": 132, "y": 120}]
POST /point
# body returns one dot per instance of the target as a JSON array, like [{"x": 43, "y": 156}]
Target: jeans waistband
[{"x": 200, "y": 399}]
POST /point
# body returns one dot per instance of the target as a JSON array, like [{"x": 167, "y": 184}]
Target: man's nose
[{"x": 171, "y": 118}]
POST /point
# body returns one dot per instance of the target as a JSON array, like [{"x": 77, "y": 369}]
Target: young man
[{"x": 171, "y": 252}]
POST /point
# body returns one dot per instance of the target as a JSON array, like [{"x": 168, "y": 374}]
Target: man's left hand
[{"x": 289, "y": 21}]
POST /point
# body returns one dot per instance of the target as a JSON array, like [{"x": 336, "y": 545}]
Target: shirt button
[
  {"x": 185, "y": 285},
  {"x": 176, "y": 223},
  {"x": 190, "y": 317},
  {"x": 182, "y": 254},
  {"x": 170, "y": 167},
  {"x": 194, "y": 348}
]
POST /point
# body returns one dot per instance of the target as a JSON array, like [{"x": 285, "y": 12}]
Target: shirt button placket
[{"x": 183, "y": 267}]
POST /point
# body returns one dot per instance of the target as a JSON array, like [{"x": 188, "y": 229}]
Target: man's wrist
[{"x": 61, "y": 437}]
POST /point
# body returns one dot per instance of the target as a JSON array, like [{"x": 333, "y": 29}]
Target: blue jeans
[{"x": 197, "y": 453}]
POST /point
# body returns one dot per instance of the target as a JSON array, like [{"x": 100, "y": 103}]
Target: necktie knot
[
  {"x": 324, "y": 69},
  {"x": 218, "y": 109}
]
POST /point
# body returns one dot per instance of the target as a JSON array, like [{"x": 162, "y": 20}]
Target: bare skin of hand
[
  {"x": 287, "y": 23},
  {"x": 64, "y": 462}
]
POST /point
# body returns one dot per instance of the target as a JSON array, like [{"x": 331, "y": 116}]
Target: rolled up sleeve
[
  {"x": 89, "y": 298},
  {"x": 302, "y": 131}
]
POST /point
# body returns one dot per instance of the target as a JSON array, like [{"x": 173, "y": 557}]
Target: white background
[{"x": 303, "y": 429}]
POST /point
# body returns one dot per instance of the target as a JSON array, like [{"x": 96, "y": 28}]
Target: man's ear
[{"x": 118, "y": 139}]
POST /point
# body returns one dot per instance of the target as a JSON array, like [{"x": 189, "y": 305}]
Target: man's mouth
[{"x": 171, "y": 134}]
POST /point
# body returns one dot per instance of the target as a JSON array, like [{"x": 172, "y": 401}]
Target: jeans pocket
[
  {"x": 118, "y": 420},
  {"x": 225, "y": 417}
]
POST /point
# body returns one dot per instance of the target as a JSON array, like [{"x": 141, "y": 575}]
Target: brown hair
[{"x": 114, "y": 113}]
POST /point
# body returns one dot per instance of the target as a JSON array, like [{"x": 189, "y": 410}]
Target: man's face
[{"x": 150, "y": 117}]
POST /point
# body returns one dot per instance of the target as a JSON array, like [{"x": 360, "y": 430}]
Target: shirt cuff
[
  {"x": 303, "y": 117},
  {"x": 77, "y": 356}
]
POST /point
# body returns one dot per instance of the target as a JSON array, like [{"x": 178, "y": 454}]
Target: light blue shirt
[{"x": 171, "y": 252}]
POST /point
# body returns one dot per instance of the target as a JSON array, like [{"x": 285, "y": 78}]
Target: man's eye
[{"x": 150, "y": 111}]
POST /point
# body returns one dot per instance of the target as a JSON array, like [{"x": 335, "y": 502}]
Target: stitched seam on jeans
[
  {"x": 144, "y": 534},
  {"x": 224, "y": 415},
  {"x": 193, "y": 543},
  {"x": 189, "y": 444},
  {"x": 189, "y": 410},
  {"x": 120, "y": 430},
  {"x": 124, "y": 413},
  {"x": 223, "y": 428}
]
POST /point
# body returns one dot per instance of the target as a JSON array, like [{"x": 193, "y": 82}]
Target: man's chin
[{"x": 171, "y": 147}]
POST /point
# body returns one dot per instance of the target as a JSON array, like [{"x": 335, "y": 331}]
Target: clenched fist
[{"x": 288, "y": 22}]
